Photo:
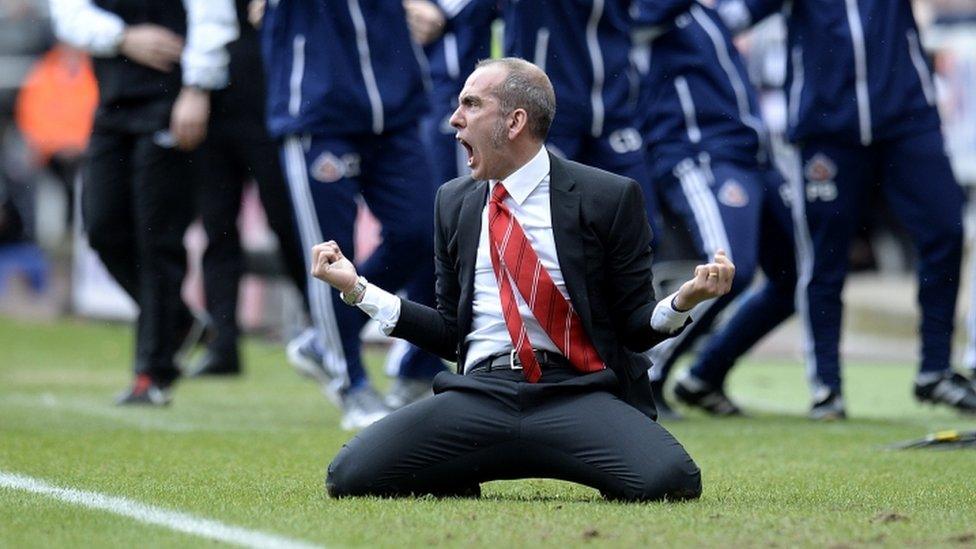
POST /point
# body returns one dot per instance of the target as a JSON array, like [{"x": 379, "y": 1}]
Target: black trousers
[
  {"x": 495, "y": 426},
  {"x": 234, "y": 153},
  {"x": 136, "y": 205}
]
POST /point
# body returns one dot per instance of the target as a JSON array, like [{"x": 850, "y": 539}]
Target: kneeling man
[{"x": 544, "y": 299}]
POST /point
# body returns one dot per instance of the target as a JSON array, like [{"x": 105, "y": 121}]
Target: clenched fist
[
  {"x": 711, "y": 280},
  {"x": 329, "y": 265}
]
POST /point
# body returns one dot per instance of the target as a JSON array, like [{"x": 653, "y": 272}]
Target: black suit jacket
[{"x": 603, "y": 243}]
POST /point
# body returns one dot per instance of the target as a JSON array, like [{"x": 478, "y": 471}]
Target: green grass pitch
[{"x": 252, "y": 453}]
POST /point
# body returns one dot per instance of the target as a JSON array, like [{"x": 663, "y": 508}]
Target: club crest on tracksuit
[
  {"x": 329, "y": 168},
  {"x": 626, "y": 140},
  {"x": 819, "y": 173},
  {"x": 733, "y": 194}
]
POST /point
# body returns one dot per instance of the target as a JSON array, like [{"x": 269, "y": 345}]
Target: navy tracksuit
[
  {"x": 706, "y": 145},
  {"x": 584, "y": 46},
  {"x": 451, "y": 58},
  {"x": 861, "y": 106},
  {"x": 346, "y": 91}
]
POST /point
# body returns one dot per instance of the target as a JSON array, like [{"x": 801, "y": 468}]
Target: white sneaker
[
  {"x": 306, "y": 356},
  {"x": 407, "y": 391},
  {"x": 363, "y": 407}
]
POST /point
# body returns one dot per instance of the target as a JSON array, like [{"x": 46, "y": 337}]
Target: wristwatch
[{"x": 355, "y": 295}]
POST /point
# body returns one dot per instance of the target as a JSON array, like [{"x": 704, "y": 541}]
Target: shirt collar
[{"x": 521, "y": 183}]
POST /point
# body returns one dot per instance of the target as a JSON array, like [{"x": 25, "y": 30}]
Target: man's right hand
[
  {"x": 329, "y": 265},
  {"x": 153, "y": 46}
]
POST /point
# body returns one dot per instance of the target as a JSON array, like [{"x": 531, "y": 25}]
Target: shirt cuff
[
  {"x": 381, "y": 306},
  {"x": 666, "y": 318}
]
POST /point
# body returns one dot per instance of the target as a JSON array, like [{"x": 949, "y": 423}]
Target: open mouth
[{"x": 468, "y": 149}]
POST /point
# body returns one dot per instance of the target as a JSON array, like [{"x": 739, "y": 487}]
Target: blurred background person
[
  {"x": 861, "y": 104},
  {"x": 238, "y": 149},
  {"x": 346, "y": 93},
  {"x": 455, "y": 34},
  {"x": 155, "y": 62},
  {"x": 708, "y": 154}
]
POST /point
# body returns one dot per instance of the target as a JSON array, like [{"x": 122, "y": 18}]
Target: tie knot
[{"x": 499, "y": 193}]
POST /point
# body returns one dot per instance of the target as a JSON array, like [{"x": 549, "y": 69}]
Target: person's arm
[
  {"x": 85, "y": 26},
  {"x": 210, "y": 26},
  {"x": 739, "y": 15},
  {"x": 428, "y": 20},
  {"x": 433, "y": 330},
  {"x": 642, "y": 322}
]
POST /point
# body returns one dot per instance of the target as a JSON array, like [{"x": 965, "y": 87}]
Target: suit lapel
[
  {"x": 468, "y": 233},
  {"x": 564, "y": 202}
]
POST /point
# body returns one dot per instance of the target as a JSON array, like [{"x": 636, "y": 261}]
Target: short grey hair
[{"x": 527, "y": 87}]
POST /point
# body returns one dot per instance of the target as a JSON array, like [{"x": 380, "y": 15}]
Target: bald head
[{"x": 526, "y": 87}]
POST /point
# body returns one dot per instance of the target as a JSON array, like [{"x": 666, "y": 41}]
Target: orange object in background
[{"x": 56, "y": 105}]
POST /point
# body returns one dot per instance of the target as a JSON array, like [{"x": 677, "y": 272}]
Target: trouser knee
[{"x": 678, "y": 480}]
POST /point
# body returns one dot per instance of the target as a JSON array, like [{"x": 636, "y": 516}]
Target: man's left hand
[
  {"x": 188, "y": 122},
  {"x": 711, "y": 280}
]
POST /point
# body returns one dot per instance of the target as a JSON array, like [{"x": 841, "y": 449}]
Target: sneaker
[
  {"x": 144, "y": 392},
  {"x": 951, "y": 389},
  {"x": 195, "y": 330},
  {"x": 363, "y": 407},
  {"x": 213, "y": 363},
  {"x": 664, "y": 410},
  {"x": 828, "y": 408},
  {"x": 306, "y": 356},
  {"x": 699, "y": 394},
  {"x": 407, "y": 391}
]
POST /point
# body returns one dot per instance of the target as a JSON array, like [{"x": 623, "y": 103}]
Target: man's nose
[{"x": 455, "y": 120}]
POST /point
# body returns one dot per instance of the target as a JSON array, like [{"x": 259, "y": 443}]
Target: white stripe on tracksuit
[
  {"x": 711, "y": 228},
  {"x": 319, "y": 294},
  {"x": 805, "y": 262}
]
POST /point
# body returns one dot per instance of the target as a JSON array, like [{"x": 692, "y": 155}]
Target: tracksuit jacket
[
  {"x": 858, "y": 60},
  {"x": 696, "y": 94},
  {"x": 352, "y": 73}
]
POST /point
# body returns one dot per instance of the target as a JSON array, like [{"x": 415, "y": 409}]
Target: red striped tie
[{"x": 513, "y": 259}]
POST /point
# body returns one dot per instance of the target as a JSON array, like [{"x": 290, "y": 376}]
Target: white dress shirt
[
  {"x": 528, "y": 200},
  {"x": 210, "y": 24}
]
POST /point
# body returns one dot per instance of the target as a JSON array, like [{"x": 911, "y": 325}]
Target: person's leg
[
  {"x": 721, "y": 206},
  {"x": 106, "y": 206},
  {"x": 322, "y": 177},
  {"x": 598, "y": 440},
  {"x": 259, "y": 154},
  {"x": 398, "y": 188},
  {"x": 444, "y": 445},
  {"x": 163, "y": 195},
  {"x": 923, "y": 193},
  {"x": 765, "y": 308},
  {"x": 221, "y": 182},
  {"x": 829, "y": 188},
  {"x": 447, "y": 157},
  {"x": 485, "y": 428}
]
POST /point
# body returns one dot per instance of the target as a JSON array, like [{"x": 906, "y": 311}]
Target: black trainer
[
  {"x": 698, "y": 394},
  {"x": 951, "y": 389},
  {"x": 144, "y": 392},
  {"x": 664, "y": 410},
  {"x": 829, "y": 408}
]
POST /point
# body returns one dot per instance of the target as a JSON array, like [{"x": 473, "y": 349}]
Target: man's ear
[{"x": 518, "y": 123}]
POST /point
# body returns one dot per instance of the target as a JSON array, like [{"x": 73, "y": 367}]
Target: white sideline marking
[{"x": 174, "y": 520}]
